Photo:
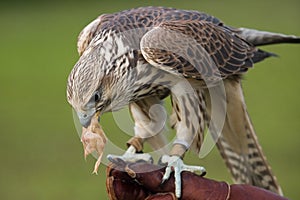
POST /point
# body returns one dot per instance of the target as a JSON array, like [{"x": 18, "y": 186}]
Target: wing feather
[{"x": 198, "y": 49}]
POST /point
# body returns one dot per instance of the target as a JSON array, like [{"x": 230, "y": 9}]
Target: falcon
[{"x": 139, "y": 57}]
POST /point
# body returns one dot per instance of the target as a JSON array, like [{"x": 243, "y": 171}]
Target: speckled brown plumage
[
  {"x": 138, "y": 57},
  {"x": 220, "y": 45}
]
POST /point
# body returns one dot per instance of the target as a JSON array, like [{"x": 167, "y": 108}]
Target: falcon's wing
[{"x": 199, "y": 49}]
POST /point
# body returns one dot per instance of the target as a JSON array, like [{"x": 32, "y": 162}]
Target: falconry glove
[{"x": 141, "y": 180}]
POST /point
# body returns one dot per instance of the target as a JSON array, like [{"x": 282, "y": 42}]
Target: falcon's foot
[
  {"x": 175, "y": 163},
  {"x": 130, "y": 156}
]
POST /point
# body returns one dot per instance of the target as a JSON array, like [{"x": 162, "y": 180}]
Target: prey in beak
[
  {"x": 93, "y": 139},
  {"x": 85, "y": 118}
]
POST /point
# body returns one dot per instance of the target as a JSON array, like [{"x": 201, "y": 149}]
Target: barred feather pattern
[
  {"x": 187, "y": 117},
  {"x": 239, "y": 145}
]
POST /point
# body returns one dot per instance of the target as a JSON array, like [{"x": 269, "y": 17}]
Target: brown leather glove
[{"x": 141, "y": 180}]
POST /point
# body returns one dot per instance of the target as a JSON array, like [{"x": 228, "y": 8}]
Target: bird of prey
[{"x": 140, "y": 56}]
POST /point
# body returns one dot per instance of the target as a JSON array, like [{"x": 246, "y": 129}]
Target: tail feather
[
  {"x": 238, "y": 143},
  {"x": 258, "y": 38}
]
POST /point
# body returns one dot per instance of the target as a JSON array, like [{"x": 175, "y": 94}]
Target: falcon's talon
[
  {"x": 176, "y": 163},
  {"x": 130, "y": 157},
  {"x": 166, "y": 174}
]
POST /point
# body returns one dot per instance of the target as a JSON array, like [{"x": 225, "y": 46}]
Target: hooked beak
[{"x": 86, "y": 118}]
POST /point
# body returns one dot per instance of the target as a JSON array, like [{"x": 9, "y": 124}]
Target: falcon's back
[
  {"x": 141, "y": 19},
  {"x": 149, "y": 17}
]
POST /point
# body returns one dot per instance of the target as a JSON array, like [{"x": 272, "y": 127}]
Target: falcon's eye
[{"x": 97, "y": 96}]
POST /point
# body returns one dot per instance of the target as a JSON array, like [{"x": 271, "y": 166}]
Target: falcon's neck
[{"x": 136, "y": 79}]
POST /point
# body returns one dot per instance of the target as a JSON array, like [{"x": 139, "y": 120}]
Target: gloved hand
[{"x": 141, "y": 180}]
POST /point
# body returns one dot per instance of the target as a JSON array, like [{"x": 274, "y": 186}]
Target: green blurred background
[{"x": 41, "y": 154}]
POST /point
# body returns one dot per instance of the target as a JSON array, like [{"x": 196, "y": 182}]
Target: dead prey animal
[{"x": 93, "y": 139}]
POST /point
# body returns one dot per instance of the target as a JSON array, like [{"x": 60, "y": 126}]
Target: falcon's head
[
  {"x": 86, "y": 90},
  {"x": 97, "y": 83}
]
